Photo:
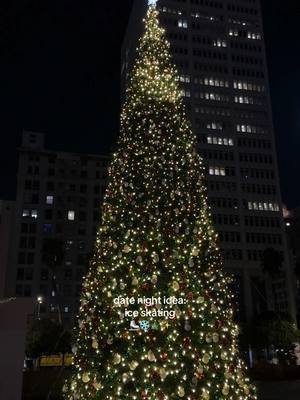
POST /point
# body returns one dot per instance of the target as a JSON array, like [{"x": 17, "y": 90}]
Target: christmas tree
[{"x": 156, "y": 315}]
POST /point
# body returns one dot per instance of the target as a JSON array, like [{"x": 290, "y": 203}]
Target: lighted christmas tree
[{"x": 156, "y": 245}]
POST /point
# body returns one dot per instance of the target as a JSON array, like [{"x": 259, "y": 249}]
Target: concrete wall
[{"x": 13, "y": 324}]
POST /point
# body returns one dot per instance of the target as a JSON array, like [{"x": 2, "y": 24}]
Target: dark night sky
[{"x": 59, "y": 74}]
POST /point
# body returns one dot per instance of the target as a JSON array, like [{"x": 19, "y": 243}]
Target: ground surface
[
  {"x": 46, "y": 385},
  {"x": 289, "y": 390}
]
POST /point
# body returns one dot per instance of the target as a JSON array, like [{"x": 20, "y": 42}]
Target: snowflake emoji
[{"x": 145, "y": 325}]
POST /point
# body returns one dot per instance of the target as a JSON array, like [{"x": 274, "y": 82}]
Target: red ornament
[
  {"x": 186, "y": 342},
  {"x": 143, "y": 395},
  {"x": 160, "y": 395},
  {"x": 190, "y": 296},
  {"x": 155, "y": 376},
  {"x": 164, "y": 356}
]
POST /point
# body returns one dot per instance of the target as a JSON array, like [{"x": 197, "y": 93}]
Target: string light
[{"x": 155, "y": 240}]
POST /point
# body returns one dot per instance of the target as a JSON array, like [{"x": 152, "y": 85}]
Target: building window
[
  {"x": 49, "y": 200},
  {"x": 262, "y": 206},
  {"x": 215, "y": 126},
  {"x": 185, "y": 93},
  {"x": 216, "y": 82},
  {"x": 184, "y": 78},
  {"x": 221, "y": 141},
  {"x": 26, "y": 213},
  {"x": 219, "y": 43},
  {"x": 44, "y": 274},
  {"x": 243, "y": 85},
  {"x": 243, "y": 128},
  {"x": 219, "y": 171},
  {"x": 182, "y": 23},
  {"x": 71, "y": 215},
  {"x": 47, "y": 228},
  {"x": 34, "y": 214}
]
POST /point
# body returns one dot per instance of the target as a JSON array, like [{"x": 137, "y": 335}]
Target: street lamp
[{"x": 39, "y": 302}]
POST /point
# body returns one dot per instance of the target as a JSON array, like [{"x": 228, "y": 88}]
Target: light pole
[{"x": 39, "y": 302}]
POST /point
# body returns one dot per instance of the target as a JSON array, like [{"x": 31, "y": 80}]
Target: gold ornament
[
  {"x": 200, "y": 300},
  {"x": 162, "y": 373},
  {"x": 155, "y": 257},
  {"x": 126, "y": 249},
  {"x": 225, "y": 390},
  {"x": 97, "y": 385},
  {"x": 85, "y": 377},
  {"x": 135, "y": 281},
  {"x": 228, "y": 375},
  {"x": 151, "y": 356},
  {"x": 181, "y": 391},
  {"x": 109, "y": 340},
  {"x": 214, "y": 308},
  {"x": 215, "y": 337},
  {"x": 175, "y": 286},
  {"x": 209, "y": 338},
  {"x": 154, "y": 279},
  {"x": 139, "y": 260},
  {"x": 246, "y": 390},
  {"x": 117, "y": 359},
  {"x": 95, "y": 344},
  {"x": 206, "y": 358},
  {"x": 133, "y": 365},
  {"x": 205, "y": 395},
  {"x": 195, "y": 252}
]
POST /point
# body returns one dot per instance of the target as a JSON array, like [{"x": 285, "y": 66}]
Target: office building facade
[
  {"x": 218, "y": 47},
  {"x": 7, "y": 208},
  {"x": 56, "y": 218}
]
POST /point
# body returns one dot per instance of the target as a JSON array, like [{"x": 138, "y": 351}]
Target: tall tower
[{"x": 218, "y": 46}]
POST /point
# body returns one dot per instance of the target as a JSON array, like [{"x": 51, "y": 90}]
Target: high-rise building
[
  {"x": 6, "y": 224},
  {"x": 292, "y": 222},
  {"x": 218, "y": 47},
  {"x": 56, "y": 218}
]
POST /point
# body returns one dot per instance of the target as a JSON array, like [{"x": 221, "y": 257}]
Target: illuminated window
[
  {"x": 219, "y": 43},
  {"x": 244, "y": 99},
  {"x": 185, "y": 93},
  {"x": 261, "y": 206},
  {"x": 218, "y": 171},
  {"x": 71, "y": 215},
  {"x": 215, "y": 126},
  {"x": 233, "y": 32},
  {"x": 213, "y": 96},
  {"x": 243, "y": 128},
  {"x": 49, "y": 200},
  {"x": 242, "y": 85},
  {"x": 34, "y": 214},
  {"x": 212, "y": 82},
  {"x": 220, "y": 141},
  {"x": 182, "y": 23},
  {"x": 254, "y": 35},
  {"x": 185, "y": 78},
  {"x": 25, "y": 213}
]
